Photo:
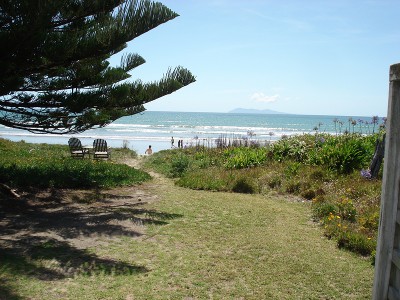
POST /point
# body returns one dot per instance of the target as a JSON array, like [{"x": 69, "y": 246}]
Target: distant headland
[{"x": 254, "y": 111}]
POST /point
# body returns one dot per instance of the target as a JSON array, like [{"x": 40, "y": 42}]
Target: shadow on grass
[
  {"x": 42, "y": 237},
  {"x": 6, "y": 292}
]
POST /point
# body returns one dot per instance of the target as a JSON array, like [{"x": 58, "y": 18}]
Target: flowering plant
[{"x": 366, "y": 174}]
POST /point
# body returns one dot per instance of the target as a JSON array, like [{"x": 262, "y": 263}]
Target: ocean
[{"x": 156, "y": 128}]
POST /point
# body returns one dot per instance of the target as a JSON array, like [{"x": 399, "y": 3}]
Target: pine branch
[{"x": 54, "y": 73}]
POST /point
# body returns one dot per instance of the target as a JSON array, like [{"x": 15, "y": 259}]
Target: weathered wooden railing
[{"x": 387, "y": 263}]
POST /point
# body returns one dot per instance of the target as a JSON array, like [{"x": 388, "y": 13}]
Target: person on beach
[
  {"x": 179, "y": 143},
  {"x": 149, "y": 151},
  {"x": 172, "y": 142}
]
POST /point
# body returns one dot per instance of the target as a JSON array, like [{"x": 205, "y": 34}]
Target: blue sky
[{"x": 304, "y": 57}]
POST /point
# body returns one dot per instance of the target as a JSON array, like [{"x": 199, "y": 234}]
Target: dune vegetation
[{"x": 328, "y": 171}]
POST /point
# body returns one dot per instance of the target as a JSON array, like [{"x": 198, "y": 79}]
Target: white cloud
[{"x": 260, "y": 97}]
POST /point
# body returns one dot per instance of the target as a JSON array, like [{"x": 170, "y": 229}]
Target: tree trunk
[{"x": 378, "y": 157}]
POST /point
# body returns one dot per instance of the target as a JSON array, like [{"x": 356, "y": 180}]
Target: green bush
[
  {"x": 292, "y": 169},
  {"x": 356, "y": 242},
  {"x": 369, "y": 220},
  {"x": 203, "y": 159},
  {"x": 244, "y": 157},
  {"x": 343, "y": 154},
  {"x": 346, "y": 209},
  {"x": 179, "y": 165},
  {"x": 323, "y": 209},
  {"x": 294, "y": 148}
]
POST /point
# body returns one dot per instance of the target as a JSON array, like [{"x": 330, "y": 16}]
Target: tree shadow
[
  {"x": 6, "y": 292},
  {"x": 44, "y": 229}
]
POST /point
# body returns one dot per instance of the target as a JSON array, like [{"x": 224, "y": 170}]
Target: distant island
[{"x": 254, "y": 111}]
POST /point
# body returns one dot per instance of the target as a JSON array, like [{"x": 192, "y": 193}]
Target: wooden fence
[{"x": 387, "y": 263}]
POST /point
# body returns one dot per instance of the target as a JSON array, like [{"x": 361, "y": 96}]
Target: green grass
[
  {"x": 42, "y": 165},
  {"x": 208, "y": 246}
]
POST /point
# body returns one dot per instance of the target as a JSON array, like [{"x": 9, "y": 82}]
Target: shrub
[
  {"x": 294, "y": 148},
  {"x": 242, "y": 185},
  {"x": 343, "y": 154},
  {"x": 353, "y": 193},
  {"x": 274, "y": 181},
  {"x": 346, "y": 209},
  {"x": 356, "y": 242},
  {"x": 179, "y": 164},
  {"x": 243, "y": 157},
  {"x": 323, "y": 209},
  {"x": 293, "y": 187},
  {"x": 369, "y": 220},
  {"x": 308, "y": 194},
  {"x": 292, "y": 169}
]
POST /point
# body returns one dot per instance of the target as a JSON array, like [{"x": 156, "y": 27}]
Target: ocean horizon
[{"x": 156, "y": 128}]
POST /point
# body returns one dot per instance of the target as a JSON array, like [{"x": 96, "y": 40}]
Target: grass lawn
[{"x": 198, "y": 245}]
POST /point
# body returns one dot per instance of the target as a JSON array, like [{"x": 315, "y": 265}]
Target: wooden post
[{"x": 387, "y": 266}]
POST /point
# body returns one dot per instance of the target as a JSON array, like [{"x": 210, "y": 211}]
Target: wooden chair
[
  {"x": 100, "y": 149},
  {"x": 75, "y": 147}
]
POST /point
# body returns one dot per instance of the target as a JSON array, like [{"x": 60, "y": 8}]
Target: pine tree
[{"x": 54, "y": 71}]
